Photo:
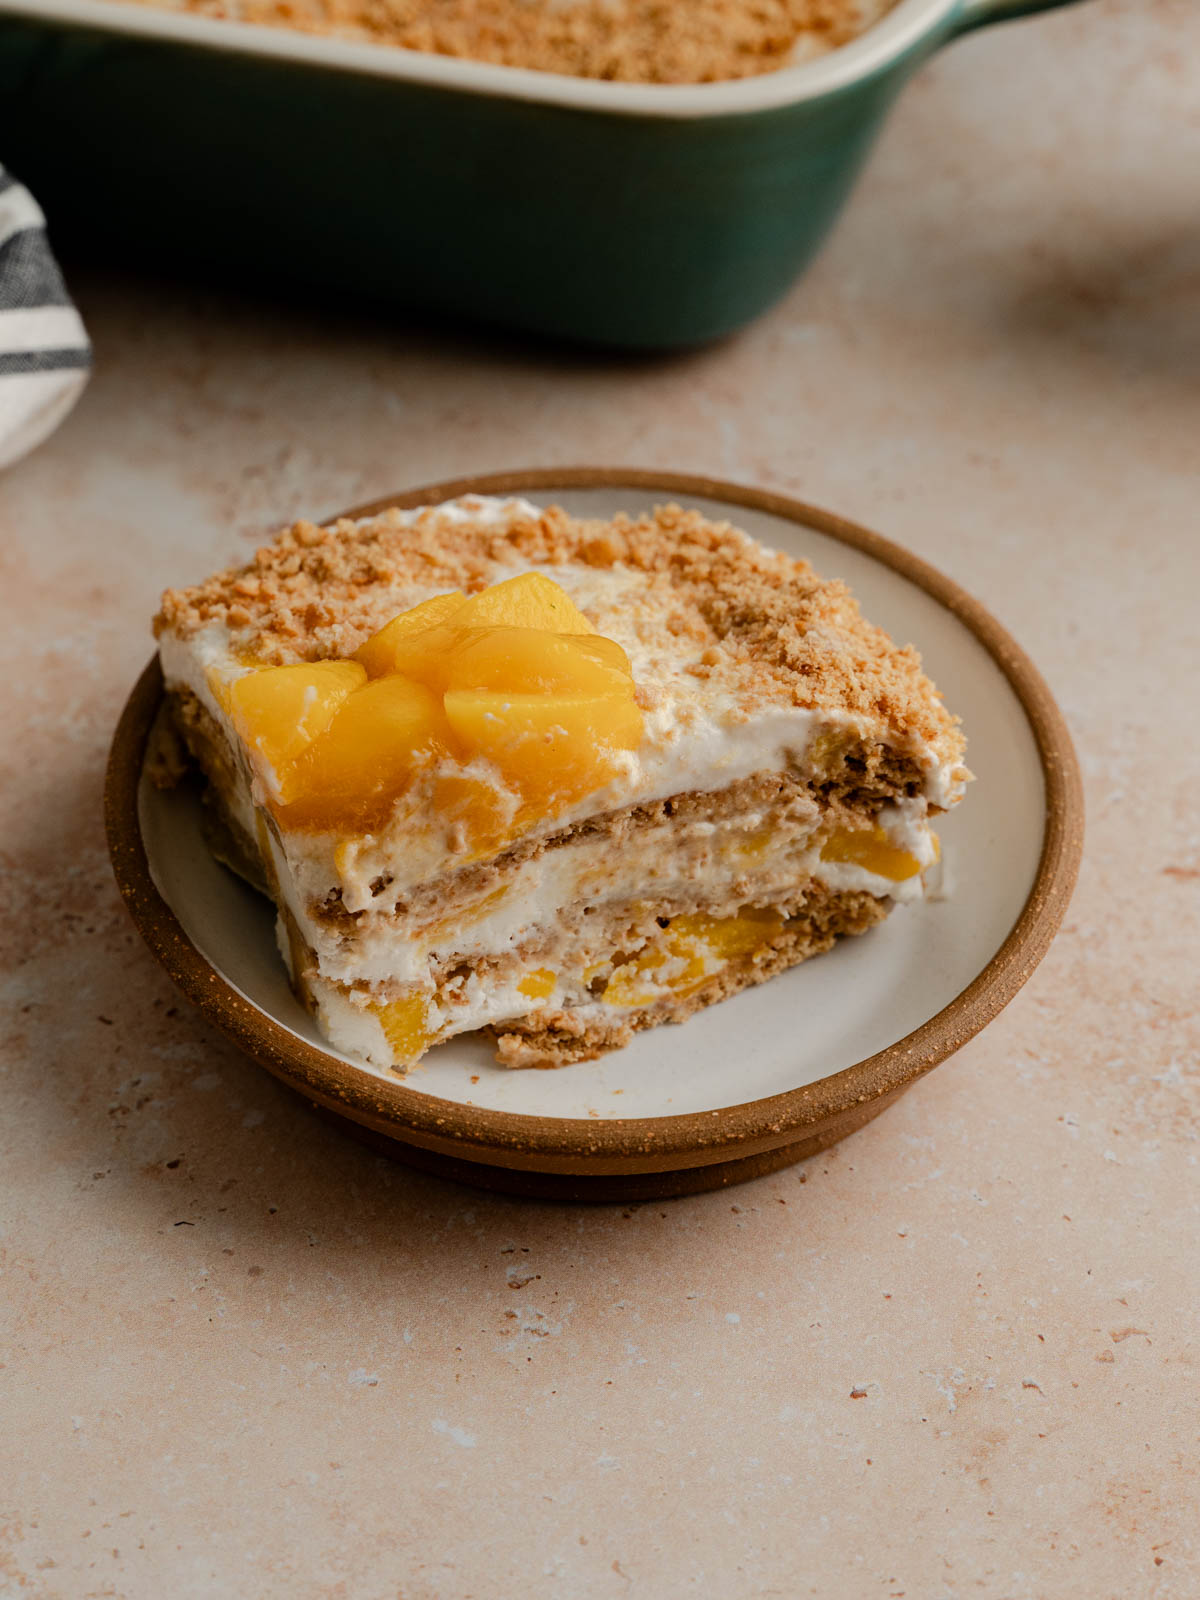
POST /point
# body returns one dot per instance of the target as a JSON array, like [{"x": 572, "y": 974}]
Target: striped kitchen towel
[{"x": 44, "y": 350}]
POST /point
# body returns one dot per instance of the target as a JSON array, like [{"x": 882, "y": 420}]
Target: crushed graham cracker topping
[
  {"x": 631, "y": 41},
  {"x": 733, "y": 618}
]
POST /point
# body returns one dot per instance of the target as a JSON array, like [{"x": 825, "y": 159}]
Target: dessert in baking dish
[
  {"x": 501, "y": 767},
  {"x": 633, "y": 41}
]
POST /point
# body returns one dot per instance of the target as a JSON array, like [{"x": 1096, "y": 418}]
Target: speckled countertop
[{"x": 955, "y": 1356}]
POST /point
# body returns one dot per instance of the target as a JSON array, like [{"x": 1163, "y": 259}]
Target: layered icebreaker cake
[{"x": 500, "y": 767}]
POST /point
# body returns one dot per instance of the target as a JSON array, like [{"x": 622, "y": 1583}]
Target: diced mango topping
[
  {"x": 871, "y": 848},
  {"x": 529, "y": 661},
  {"x": 426, "y": 654},
  {"x": 690, "y": 949},
  {"x": 539, "y": 984},
  {"x": 351, "y": 777},
  {"x": 510, "y": 702},
  {"x": 556, "y": 748},
  {"x": 405, "y": 1027},
  {"x": 450, "y": 655},
  {"x": 279, "y": 712},
  {"x": 378, "y": 654},
  {"x": 530, "y": 601}
]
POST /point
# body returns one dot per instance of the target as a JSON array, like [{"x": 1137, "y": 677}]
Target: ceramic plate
[{"x": 746, "y": 1086}]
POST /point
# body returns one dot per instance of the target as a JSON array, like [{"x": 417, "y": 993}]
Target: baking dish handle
[{"x": 978, "y": 13}]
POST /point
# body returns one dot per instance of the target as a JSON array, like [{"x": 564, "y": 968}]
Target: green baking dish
[{"x": 640, "y": 215}]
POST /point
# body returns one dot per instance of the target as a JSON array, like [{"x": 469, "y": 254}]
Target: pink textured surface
[{"x": 953, "y": 1357}]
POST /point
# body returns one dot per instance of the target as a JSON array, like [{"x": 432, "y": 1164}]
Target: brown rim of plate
[{"x": 642, "y": 1144}]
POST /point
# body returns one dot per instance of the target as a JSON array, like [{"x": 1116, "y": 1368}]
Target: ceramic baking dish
[{"x": 631, "y": 214}]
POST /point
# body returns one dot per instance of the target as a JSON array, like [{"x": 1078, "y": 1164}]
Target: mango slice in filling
[
  {"x": 871, "y": 848},
  {"x": 683, "y": 957},
  {"x": 405, "y": 1027},
  {"x": 480, "y": 813},
  {"x": 539, "y": 984},
  {"x": 730, "y": 937}
]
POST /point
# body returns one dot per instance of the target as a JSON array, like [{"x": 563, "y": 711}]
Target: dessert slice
[{"x": 501, "y": 767}]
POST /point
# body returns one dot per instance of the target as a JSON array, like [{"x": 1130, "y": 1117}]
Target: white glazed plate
[{"x": 843, "y": 1010}]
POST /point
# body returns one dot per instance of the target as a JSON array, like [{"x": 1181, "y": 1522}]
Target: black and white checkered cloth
[{"x": 44, "y": 350}]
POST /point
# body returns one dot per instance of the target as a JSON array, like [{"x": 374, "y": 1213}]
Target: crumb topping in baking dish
[{"x": 630, "y": 41}]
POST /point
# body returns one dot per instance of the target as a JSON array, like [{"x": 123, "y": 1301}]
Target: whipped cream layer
[
  {"x": 352, "y": 986},
  {"x": 751, "y": 858}
]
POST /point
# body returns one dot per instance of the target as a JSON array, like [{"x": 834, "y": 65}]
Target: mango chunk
[
  {"x": 830, "y": 746},
  {"x": 531, "y": 661},
  {"x": 279, "y": 711},
  {"x": 512, "y": 694},
  {"x": 220, "y": 685},
  {"x": 556, "y": 747},
  {"x": 728, "y": 938},
  {"x": 450, "y": 655},
  {"x": 754, "y": 846},
  {"x": 539, "y": 984},
  {"x": 378, "y": 653},
  {"x": 647, "y": 977},
  {"x": 683, "y": 957},
  {"x": 405, "y": 1028},
  {"x": 481, "y": 813},
  {"x": 357, "y": 769},
  {"x": 529, "y": 601},
  {"x": 871, "y": 848},
  {"x": 606, "y": 651},
  {"x": 426, "y": 655}
]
